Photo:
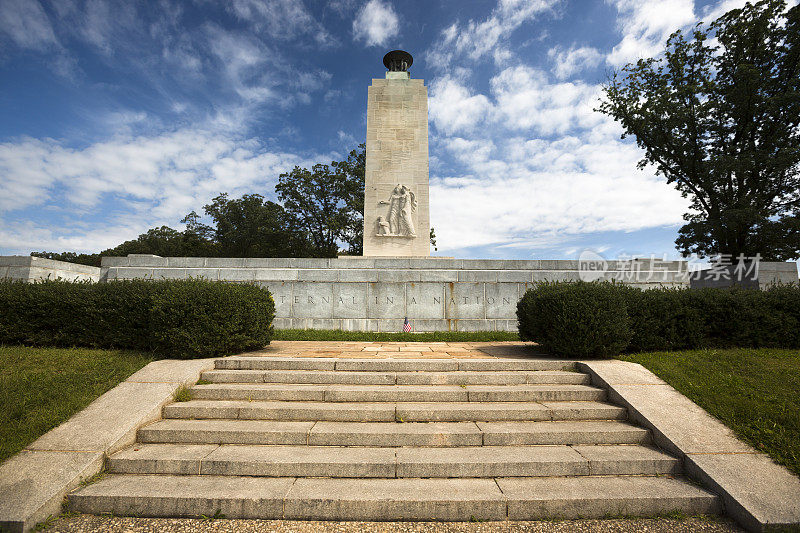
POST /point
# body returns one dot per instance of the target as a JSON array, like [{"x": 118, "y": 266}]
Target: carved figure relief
[
  {"x": 383, "y": 226},
  {"x": 398, "y": 223}
]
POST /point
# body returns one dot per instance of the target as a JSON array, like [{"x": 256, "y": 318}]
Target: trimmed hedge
[
  {"x": 602, "y": 319},
  {"x": 591, "y": 321},
  {"x": 170, "y": 318}
]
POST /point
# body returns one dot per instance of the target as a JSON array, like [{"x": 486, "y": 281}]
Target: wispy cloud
[
  {"x": 573, "y": 60},
  {"x": 477, "y": 39},
  {"x": 281, "y": 19},
  {"x": 26, "y": 24},
  {"x": 376, "y": 23}
]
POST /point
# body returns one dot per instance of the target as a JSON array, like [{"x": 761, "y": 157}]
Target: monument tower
[{"x": 396, "y": 216}]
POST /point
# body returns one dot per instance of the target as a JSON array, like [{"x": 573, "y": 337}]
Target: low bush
[
  {"x": 169, "y": 318},
  {"x": 578, "y": 319}
]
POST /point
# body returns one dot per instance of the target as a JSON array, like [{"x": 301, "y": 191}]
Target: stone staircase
[{"x": 393, "y": 439}]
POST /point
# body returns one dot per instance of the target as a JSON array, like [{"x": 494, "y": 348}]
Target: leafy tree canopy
[
  {"x": 250, "y": 226},
  {"x": 719, "y": 117},
  {"x": 327, "y": 203}
]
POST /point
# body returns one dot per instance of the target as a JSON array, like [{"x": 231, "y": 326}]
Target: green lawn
[
  {"x": 367, "y": 336},
  {"x": 42, "y": 387},
  {"x": 754, "y": 392}
]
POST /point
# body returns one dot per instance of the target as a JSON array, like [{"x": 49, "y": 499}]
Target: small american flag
[{"x": 406, "y": 326}]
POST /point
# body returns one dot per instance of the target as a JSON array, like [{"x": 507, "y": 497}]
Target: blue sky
[{"x": 118, "y": 116}]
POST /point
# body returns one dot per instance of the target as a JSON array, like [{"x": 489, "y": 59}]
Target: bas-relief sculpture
[{"x": 399, "y": 221}]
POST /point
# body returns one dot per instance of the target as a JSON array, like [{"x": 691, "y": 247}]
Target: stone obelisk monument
[{"x": 396, "y": 217}]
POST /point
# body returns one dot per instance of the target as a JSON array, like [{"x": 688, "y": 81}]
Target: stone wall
[
  {"x": 375, "y": 294},
  {"x": 28, "y": 268},
  {"x": 771, "y": 273}
]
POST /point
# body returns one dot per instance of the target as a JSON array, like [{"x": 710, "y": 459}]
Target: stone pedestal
[{"x": 396, "y": 216}]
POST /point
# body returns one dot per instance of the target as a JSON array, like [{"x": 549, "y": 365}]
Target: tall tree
[
  {"x": 722, "y": 123},
  {"x": 327, "y": 203},
  {"x": 351, "y": 172},
  {"x": 253, "y": 227}
]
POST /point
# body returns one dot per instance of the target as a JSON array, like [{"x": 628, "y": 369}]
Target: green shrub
[
  {"x": 659, "y": 319},
  {"x": 575, "y": 319},
  {"x": 223, "y": 318},
  {"x": 170, "y": 318}
]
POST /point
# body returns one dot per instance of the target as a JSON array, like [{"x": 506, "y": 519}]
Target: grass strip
[
  {"x": 42, "y": 387},
  {"x": 755, "y": 392}
]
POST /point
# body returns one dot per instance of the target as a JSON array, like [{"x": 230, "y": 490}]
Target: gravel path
[{"x": 102, "y": 524}]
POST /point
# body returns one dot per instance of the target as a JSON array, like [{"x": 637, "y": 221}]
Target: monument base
[{"x": 376, "y": 293}]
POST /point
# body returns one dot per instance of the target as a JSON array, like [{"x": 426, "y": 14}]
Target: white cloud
[
  {"x": 523, "y": 99},
  {"x": 280, "y": 19},
  {"x": 452, "y": 108},
  {"x": 152, "y": 179},
  {"x": 526, "y": 100},
  {"x": 477, "y": 39},
  {"x": 376, "y": 23},
  {"x": 645, "y": 27},
  {"x": 26, "y": 23},
  {"x": 543, "y": 191},
  {"x": 573, "y": 60},
  {"x": 243, "y": 60}
]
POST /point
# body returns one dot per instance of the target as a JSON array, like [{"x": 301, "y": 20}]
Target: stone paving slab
[
  {"x": 169, "y": 496},
  {"x": 757, "y": 492},
  {"x": 490, "y": 461},
  {"x": 110, "y": 422},
  {"x": 300, "y": 461},
  {"x": 383, "y": 462},
  {"x": 274, "y": 410},
  {"x": 760, "y": 494},
  {"x": 226, "y": 431},
  {"x": 501, "y": 350},
  {"x": 392, "y": 434},
  {"x": 395, "y": 499},
  {"x": 578, "y": 432},
  {"x": 573, "y": 497},
  {"x": 627, "y": 460},
  {"x": 259, "y": 391},
  {"x": 33, "y": 484},
  {"x": 141, "y": 458}
]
